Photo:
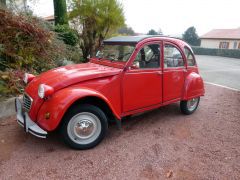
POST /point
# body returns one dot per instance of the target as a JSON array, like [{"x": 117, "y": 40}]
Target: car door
[
  {"x": 142, "y": 81},
  {"x": 173, "y": 72}
]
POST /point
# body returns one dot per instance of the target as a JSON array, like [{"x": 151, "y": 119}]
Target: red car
[{"x": 128, "y": 75}]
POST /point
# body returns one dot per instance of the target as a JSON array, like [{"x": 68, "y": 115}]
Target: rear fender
[
  {"x": 193, "y": 87},
  {"x": 60, "y": 102}
]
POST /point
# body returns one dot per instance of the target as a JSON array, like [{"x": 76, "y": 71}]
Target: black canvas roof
[{"x": 129, "y": 39}]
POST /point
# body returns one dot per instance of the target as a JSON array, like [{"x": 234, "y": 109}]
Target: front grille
[{"x": 27, "y": 102}]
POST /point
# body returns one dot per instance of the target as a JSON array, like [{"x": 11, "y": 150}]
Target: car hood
[{"x": 61, "y": 77}]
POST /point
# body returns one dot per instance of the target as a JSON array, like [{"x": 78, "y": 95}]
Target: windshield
[{"x": 115, "y": 52}]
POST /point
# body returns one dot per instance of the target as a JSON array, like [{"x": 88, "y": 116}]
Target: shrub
[
  {"x": 74, "y": 54},
  {"x": 68, "y": 35},
  {"x": 232, "y": 53},
  {"x": 25, "y": 42},
  {"x": 11, "y": 82},
  {"x": 28, "y": 44}
]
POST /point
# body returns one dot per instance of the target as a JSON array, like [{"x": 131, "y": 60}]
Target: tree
[
  {"x": 126, "y": 31},
  {"x": 191, "y": 37},
  {"x": 68, "y": 35},
  {"x": 60, "y": 12},
  {"x": 160, "y": 31},
  {"x": 152, "y": 32},
  {"x": 3, "y": 3},
  {"x": 95, "y": 20},
  {"x": 18, "y": 6}
]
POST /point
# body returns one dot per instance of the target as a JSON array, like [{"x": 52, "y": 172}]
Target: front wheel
[
  {"x": 189, "y": 106},
  {"x": 84, "y": 126}
]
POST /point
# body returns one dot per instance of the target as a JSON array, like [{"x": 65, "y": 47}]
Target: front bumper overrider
[{"x": 25, "y": 121}]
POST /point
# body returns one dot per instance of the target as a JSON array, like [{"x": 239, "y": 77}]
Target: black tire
[
  {"x": 185, "y": 108},
  {"x": 69, "y": 117},
  {"x": 126, "y": 117}
]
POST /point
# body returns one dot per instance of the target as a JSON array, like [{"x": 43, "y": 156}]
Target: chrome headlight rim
[
  {"x": 25, "y": 78},
  {"x": 41, "y": 91}
]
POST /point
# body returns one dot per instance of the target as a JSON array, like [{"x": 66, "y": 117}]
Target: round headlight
[
  {"x": 28, "y": 78},
  {"x": 45, "y": 91},
  {"x": 25, "y": 78},
  {"x": 41, "y": 91}
]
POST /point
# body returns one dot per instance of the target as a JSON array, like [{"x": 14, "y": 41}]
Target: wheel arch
[
  {"x": 66, "y": 99},
  {"x": 193, "y": 86},
  {"x": 96, "y": 101}
]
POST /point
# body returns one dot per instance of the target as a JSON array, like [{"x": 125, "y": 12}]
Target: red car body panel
[
  {"x": 141, "y": 80},
  {"x": 63, "y": 77},
  {"x": 65, "y": 99},
  {"x": 122, "y": 88},
  {"x": 193, "y": 86}
]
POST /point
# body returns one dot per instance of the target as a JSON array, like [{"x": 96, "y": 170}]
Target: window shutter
[{"x": 227, "y": 45}]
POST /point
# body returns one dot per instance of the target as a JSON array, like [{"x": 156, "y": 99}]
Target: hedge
[{"x": 232, "y": 53}]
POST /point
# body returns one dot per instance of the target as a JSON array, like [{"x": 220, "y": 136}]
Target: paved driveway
[
  {"x": 220, "y": 70},
  {"x": 160, "y": 144}
]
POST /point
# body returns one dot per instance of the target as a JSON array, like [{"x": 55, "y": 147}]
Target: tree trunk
[{"x": 60, "y": 12}]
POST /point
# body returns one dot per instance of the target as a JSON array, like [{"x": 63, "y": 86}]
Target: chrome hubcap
[
  {"x": 84, "y": 128},
  {"x": 192, "y": 104}
]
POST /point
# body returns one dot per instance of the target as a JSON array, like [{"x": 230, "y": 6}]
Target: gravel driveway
[{"x": 156, "y": 145}]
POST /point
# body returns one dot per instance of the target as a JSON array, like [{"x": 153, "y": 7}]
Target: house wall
[
  {"x": 214, "y": 43},
  {"x": 51, "y": 21}
]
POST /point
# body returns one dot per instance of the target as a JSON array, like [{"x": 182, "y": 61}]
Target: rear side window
[
  {"x": 189, "y": 56},
  {"x": 172, "y": 57}
]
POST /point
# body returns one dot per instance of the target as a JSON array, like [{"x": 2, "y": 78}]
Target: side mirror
[{"x": 135, "y": 65}]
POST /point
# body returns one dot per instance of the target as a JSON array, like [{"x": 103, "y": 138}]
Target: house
[
  {"x": 222, "y": 39},
  {"x": 50, "y": 19}
]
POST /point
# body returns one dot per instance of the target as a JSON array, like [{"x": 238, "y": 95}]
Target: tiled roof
[
  {"x": 222, "y": 34},
  {"x": 49, "y": 18}
]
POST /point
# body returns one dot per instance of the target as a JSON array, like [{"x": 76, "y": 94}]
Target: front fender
[
  {"x": 59, "y": 103},
  {"x": 193, "y": 87}
]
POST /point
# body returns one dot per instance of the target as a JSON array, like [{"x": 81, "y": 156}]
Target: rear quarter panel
[{"x": 193, "y": 86}]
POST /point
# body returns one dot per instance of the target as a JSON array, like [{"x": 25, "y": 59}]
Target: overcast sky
[{"x": 172, "y": 16}]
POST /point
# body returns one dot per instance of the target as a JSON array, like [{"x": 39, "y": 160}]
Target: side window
[
  {"x": 172, "y": 57},
  {"x": 189, "y": 56},
  {"x": 148, "y": 57}
]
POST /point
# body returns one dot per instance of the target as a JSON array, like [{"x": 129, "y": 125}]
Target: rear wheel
[
  {"x": 189, "y": 106},
  {"x": 84, "y": 126}
]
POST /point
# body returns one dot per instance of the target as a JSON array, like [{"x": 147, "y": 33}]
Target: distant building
[
  {"x": 222, "y": 39},
  {"x": 50, "y": 19}
]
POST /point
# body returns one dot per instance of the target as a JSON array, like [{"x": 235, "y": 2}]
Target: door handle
[{"x": 159, "y": 73}]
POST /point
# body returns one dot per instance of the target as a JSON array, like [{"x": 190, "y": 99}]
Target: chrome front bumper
[{"x": 25, "y": 121}]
